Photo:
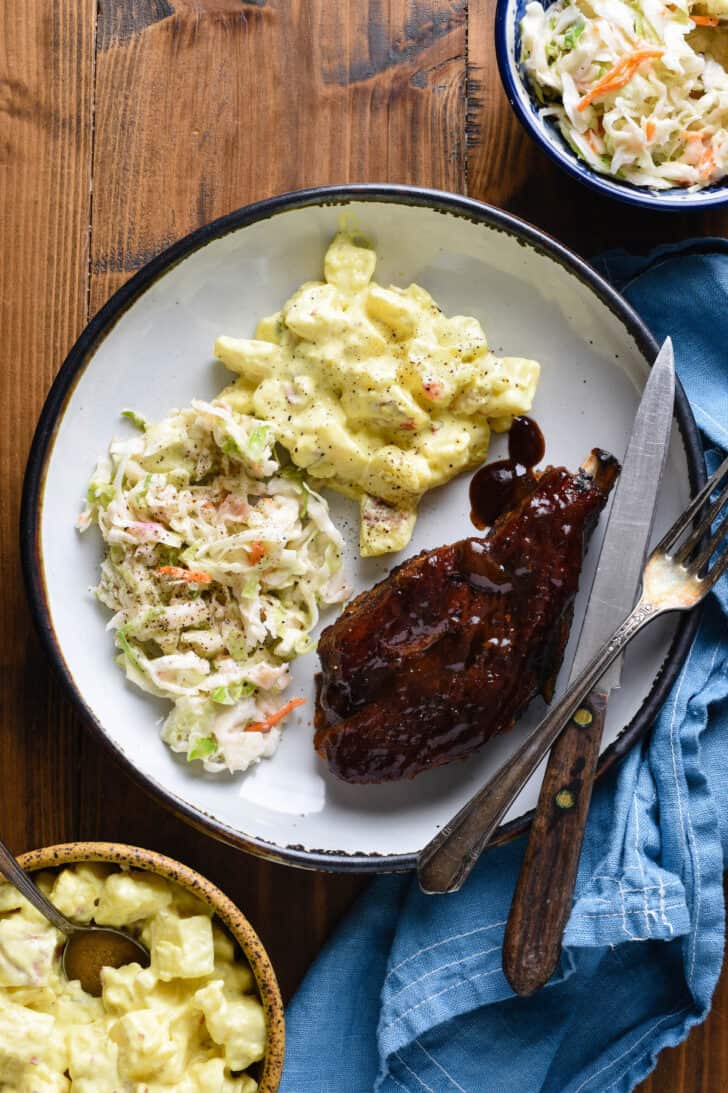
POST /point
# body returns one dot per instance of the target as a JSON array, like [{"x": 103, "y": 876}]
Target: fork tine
[
  {"x": 683, "y": 522},
  {"x": 703, "y": 527},
  {"x": 716, "y": 572},
  {"x": 711, "y": 546}
]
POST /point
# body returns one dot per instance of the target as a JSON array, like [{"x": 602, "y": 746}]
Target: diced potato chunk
[
  {"x": 24, "y": 1037},
  {"x": 121, "y": 988},
  {"x": 93, "y": 1056},
  {"x": 26, "y": 952},
  {"x": 269, "y": 329},
  {"x": 513, "y": 387},
  {"x": 77, "y": 891},
  {"x": 238, "y": 1026},
  {"x": 451, "y": 447},
  {"x": 464, "y": 334},
  {"x": 394, "y": 308},
  {"x": 182, "y": 947},
  {"x": 238, "y": 978},
  {"x": 144, "y": 1044},
  {"x": 73, "y": 1006},
  {"x": 390, "y": 408},
  {"x": 253, "y": 359},
  {"x": 313, "y": 311},
  {"x": 129, "y": 897},
  {"x": 396, "y": 475},
  {"x": 349, "y": 264},
  {"x": 433, "y": 373},
  {"x": 383, "y": 528},
  {"x": 238, "y": 397},
  {"x": 331, "y": 450}
]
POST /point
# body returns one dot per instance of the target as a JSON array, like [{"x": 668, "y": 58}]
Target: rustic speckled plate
[
  {"x": 52, "y": 857},
  {"x": 150, "y": 348}
]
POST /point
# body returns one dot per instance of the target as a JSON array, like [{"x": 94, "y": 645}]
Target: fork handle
[
  {"x": 447, "y": 860},
  {"x": 542, "y": 900}
]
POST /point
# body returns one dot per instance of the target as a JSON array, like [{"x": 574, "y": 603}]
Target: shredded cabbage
[
  {"x": 639, "y": 90},
  {"x": 216, "y": 563}
]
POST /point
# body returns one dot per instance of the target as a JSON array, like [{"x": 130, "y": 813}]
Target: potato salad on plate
[{"x": 374, "y": 391}]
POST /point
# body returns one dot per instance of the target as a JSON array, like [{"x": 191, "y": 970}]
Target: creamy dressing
[{"x": 374, "y": 390}]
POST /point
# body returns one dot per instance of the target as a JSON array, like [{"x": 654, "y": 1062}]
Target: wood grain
[
  {"x": 258, "y": 99},
  {"x": 123, "y": 125},
  {"x": 46, "y": 66},
  {"x": 544, "y": 892}
]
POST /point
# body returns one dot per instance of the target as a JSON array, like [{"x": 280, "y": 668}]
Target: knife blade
[
  {"x": 542, "y": 899},
  {"x": 617, "y": 577}
]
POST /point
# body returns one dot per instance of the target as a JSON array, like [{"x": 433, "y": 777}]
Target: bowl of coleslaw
[{"x": 629, "y": 98}]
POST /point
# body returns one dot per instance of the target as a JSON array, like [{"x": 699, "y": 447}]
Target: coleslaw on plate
[
  {"x": 217, "y": 559},
  {"x": 638, "y": 90}
]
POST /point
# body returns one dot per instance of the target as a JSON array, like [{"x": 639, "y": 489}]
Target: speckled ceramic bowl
[{"x": 52, "y": 857}]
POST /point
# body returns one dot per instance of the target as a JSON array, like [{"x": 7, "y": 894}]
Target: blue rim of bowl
[
  {"x": 674, "y": 200},
  {"x": 82, "y": 353}
]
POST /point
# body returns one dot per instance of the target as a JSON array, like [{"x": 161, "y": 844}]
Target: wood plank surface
[
  {"x": 124, "y": 124},
  {"x": 46, "y": 67}
]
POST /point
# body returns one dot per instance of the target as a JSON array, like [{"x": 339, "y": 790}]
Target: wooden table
[{"x": 126, "y": 124}]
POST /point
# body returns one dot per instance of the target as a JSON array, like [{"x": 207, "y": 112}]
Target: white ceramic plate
[{"x": 150, "y": 348}]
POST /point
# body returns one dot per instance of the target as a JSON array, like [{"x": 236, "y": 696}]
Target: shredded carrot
[
  {"x": 274, "y": 718},
  {"x": 256, "y": 550},
  {"x": 618, "y": 76},
  {"x": 705, "y": 20},
  {"x": 178, "y": 574},
  {"x": 589, "y": 138},
  {"x": 707, "y": 163},
  {"x": 695, "y": 134},
  {"x": 650, "y": 128}
]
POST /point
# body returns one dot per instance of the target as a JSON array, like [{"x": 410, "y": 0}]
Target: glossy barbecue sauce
[{"x": 494, "y": 488}]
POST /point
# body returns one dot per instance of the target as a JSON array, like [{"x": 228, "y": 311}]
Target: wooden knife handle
[{"x": 543, "y": 896}]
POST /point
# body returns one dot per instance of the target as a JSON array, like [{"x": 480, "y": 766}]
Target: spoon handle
[{"x": 20, "y": 879}]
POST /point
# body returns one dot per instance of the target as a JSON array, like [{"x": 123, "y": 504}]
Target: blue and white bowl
[{"x": 508, "y": 51}]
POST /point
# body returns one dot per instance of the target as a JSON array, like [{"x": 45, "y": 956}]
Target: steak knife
[{"x": 543, "y": 895}]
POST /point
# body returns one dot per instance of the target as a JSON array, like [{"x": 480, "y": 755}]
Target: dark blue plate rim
[{"x": 80, "y": 355}]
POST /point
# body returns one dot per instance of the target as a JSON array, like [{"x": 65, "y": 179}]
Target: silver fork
[{"x": 678, "y": 574}]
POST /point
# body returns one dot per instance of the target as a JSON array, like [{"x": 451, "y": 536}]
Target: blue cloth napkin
[{"x": 409, "y": 995}]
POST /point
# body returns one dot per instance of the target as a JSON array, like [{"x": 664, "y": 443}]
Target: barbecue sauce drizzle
[{"x": 494, "y": 487}]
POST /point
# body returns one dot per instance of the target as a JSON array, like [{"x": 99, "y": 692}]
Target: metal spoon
[{"x": 88, "y": 948}]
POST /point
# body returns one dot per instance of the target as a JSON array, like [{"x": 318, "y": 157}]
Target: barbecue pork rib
[{"x": 448, "y": 649}]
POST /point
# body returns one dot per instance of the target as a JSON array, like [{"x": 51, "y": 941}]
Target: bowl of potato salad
[
  {"x": 261, "y": 424},
  {"x": 205, "y": 1017}
]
